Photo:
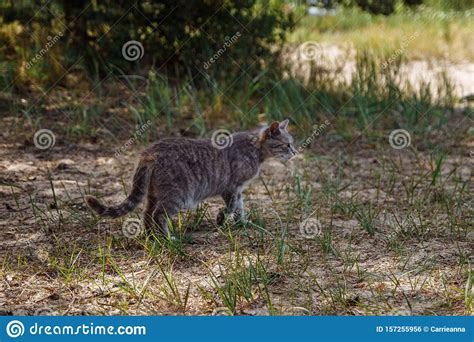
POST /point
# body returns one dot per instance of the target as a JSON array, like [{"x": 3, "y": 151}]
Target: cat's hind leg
[
  {"x": 156, "y": 214},
  {"x": 148, "y": 213},
  {"x": 162, "y": 215}
]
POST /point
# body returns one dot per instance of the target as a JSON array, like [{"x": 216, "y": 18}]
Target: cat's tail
[{"x": 140, "y": 182}]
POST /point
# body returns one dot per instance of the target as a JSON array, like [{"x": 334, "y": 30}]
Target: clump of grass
[
  {"x": 335, "y": 296},
  {"x": 303, "y": 192},
  {"x": 468, "y": 293},
  {"x": 326, "y": 241},
  {"x": 171, "y": 291},
  {"x": 366, "y": 215},
  {"x": 241, "y": 279},
  {"x": 66, "y": 262},
  {"x": 173, "y": 244}
]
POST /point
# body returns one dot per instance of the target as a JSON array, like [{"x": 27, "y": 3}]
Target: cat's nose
[{"x": 293, "y": 153}]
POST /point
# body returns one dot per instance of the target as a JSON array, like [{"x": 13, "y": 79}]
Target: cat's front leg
[
  {"x": 234, "y": 207},
  {"x": 239, "y": 211},
  {"x": 220, "y": 219}
]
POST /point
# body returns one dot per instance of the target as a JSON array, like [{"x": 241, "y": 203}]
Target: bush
[
  {"x": 385, "y": 7},
  {"x": 178, "y": 36}
]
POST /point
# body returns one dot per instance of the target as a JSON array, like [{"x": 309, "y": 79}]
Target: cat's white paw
[{"x": 231, "y": 219}]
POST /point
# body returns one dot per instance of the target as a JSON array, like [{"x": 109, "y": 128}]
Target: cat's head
[{"x": 276, "y": 141}]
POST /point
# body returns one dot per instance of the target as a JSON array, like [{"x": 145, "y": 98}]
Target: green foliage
[
  {"x": 178, "y": 36},
  {"x": 457, "y": 5},
  {"x": 384, "y": 7}
]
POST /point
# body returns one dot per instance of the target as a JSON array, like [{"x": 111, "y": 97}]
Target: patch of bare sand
[
  {"x": 58, "y": 260},
  {"x": 339, "y": 62}
]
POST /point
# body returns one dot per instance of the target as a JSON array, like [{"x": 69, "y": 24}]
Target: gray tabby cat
[{"x": 179, "y": 173}]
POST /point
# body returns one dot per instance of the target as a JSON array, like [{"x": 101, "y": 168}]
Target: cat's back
[
  {"x": 181, "y": 142},
  {"x": 200, "y": 150},
  {"x": 179, "y": 148}
]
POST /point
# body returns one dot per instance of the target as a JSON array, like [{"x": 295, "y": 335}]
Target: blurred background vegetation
[
  {"x": 177, "y": 36},
  {"x": 255, "y": 77},
  {"x": 393, "y": 224}
]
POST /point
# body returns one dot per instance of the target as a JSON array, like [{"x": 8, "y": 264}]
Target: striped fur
[
  {"x": 140, "y": 181},
  {"x": 179, "y": 173}
]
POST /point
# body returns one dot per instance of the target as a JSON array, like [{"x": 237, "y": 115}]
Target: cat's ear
[
  {"x": 272, "y": 130},
  {"x": 284, "y": 125}
]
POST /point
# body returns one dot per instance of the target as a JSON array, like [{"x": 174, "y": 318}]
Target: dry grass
[
  {"x": 422, "y": 35},
  {"x": 386, "y": 231},
  {"x": 396, "y": 238}
]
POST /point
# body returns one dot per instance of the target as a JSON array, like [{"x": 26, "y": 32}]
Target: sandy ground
[
  {"x": 341, "y": 60},
  {"x": 57, "y": 259},
  {"x": 384, "y": 237}
]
